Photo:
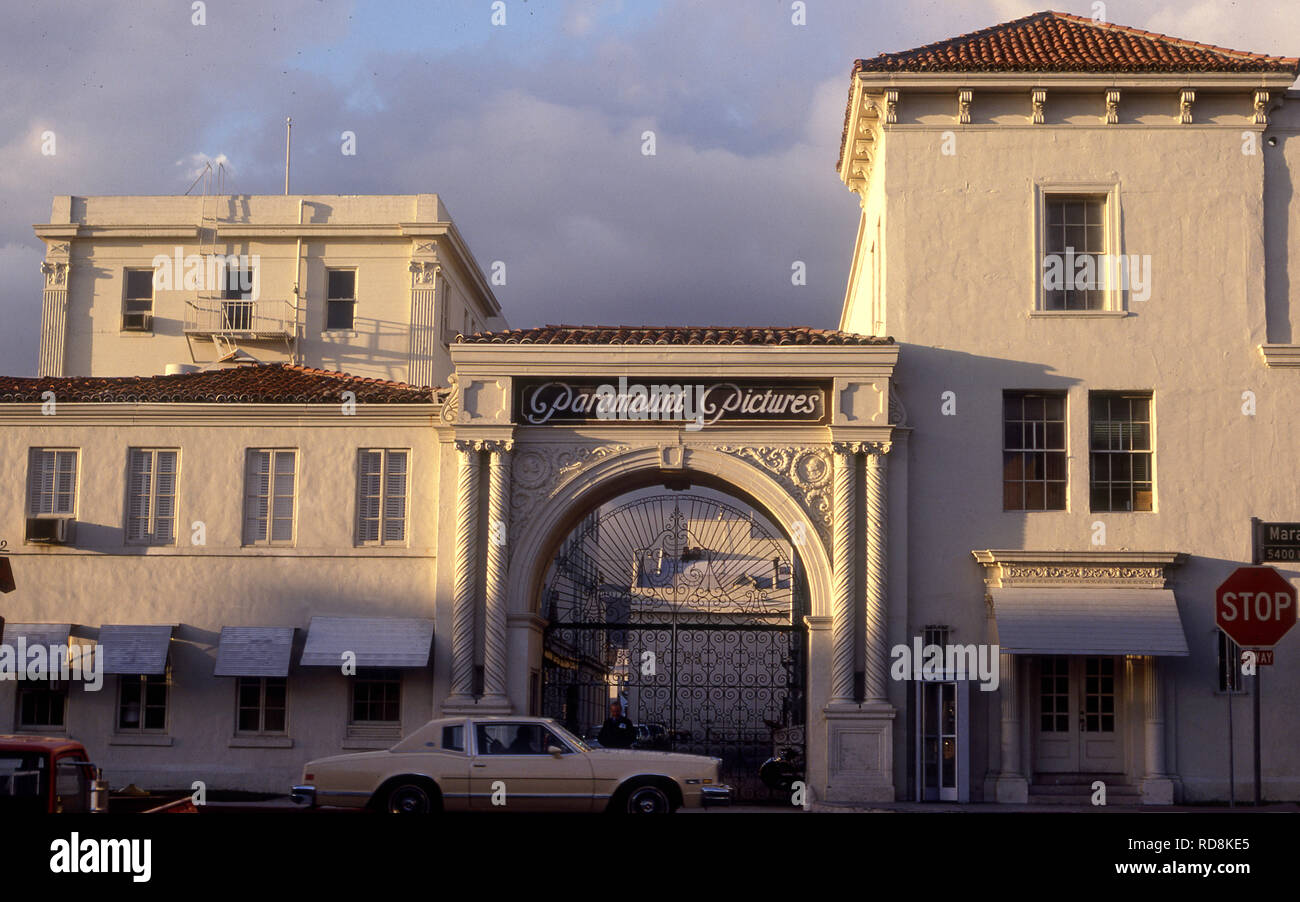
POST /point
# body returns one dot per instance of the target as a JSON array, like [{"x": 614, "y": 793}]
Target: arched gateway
[{"x": 691, "y": 520}]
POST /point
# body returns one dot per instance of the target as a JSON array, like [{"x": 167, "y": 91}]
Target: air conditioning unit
[
  {"x": 51, "y": 530},
  {"x": 137, "y": 322}
]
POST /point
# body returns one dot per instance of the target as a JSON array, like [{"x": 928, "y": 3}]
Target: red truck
[{"x": 48, "y": 775}]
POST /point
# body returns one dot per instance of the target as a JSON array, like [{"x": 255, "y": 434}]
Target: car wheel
[
  {"x": 648, "y": 799},
  {"x": 409, "y": 798}
]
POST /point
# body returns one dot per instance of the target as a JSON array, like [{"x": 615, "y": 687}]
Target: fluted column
[
  {"x": 462, "y": 628},
  {"x": 843, "y": 541},
  {"x": 1010, "y": 689},
  {"x": 494, "y": 629},
  {"x": 877, "y": 611},
  {"x": 1155, "y": 718}
]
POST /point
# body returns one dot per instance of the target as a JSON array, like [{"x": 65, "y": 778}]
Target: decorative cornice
[{"x": 1005, "y": 569}]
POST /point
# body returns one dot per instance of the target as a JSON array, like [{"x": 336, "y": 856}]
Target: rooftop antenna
[{"x": 288, "y": 128}]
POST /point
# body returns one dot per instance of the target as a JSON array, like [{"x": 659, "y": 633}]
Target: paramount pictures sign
[{"x": 697, "y": 404}]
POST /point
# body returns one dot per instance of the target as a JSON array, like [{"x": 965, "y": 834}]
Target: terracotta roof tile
[
  {"x": 273, "y": 383},
  {"x": 1060, "y": 42},
  {"x": 672, "y": 335}
]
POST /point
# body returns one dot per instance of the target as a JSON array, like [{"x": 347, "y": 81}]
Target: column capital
[{"x": 497, "y": 446}]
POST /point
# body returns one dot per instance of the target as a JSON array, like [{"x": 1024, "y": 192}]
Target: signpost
[{"x": 1255, "y": 606}]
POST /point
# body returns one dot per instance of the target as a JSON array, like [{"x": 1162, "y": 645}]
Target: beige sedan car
[{"x": 509, "y": 764}]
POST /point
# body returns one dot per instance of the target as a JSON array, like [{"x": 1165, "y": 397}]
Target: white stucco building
[{"x": 980, "y": 455}]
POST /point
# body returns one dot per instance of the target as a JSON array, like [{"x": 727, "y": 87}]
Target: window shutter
[
  {"x": 395, "y": 497},
  {"x": 369, "y": 478},
  {"x": 137, "y": 515},
  {"x": 66, "y": 482},
  {"x": 165, "y": 497},
  {"x": 258, "y": 494}
]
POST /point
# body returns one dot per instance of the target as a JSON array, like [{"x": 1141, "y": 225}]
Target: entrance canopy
[{"x": 1088, "y": 621}]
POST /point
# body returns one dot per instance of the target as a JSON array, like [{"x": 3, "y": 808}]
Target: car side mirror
[{"x": 555, "y": 751}]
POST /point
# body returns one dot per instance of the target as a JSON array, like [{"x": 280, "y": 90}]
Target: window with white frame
[
  {"x": 137, "y": 300},
  {"x": 52, "y": 482},
  {"x": 269, "y": 496},
  {"x": 1074, "y": 244},
  {"x": 151, "y": 496},
  {"x": 341, "y": 300},
  {"x": 261, "y": 705},
  {"x": 42, "y": 704},
  {"x": 142, "y": 703},
  {"x": 1121, "y": 448},
  {"x": 381, "y": 496}
]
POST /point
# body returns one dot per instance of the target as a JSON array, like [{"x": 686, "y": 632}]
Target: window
[
  {"x": 934, "y": 634},
  {"x": 381, "y": 497},
  {"x": 239, "y": 298},
  {"x": 516, "y": 739},
  {"x": 261, "y": 705},
  {"x": 1121, "y": 451},
  {"x": 453, "y": 738},
  {"x": 142, "y": 703},
  {"x": 269, "y": 497},
  {"x": 1054, "y": 694},
  {"x": 137, "y": 300},
  {"x": 52, "y": 482},
  {"x": 1033, "y": 451},
  {"x": 42, "y": 704},
  {"x": 1230, "y": 676},
  {"x": 1099, "y": 695},
  {"x": 377, "y": 696},
  {"x": 341, "y": 299},
  {"x": 1074, "y": 242},
  {"x": 151, "y": 497}
]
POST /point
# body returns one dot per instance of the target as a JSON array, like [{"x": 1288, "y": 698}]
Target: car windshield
[{"x": 570, "y": 737}]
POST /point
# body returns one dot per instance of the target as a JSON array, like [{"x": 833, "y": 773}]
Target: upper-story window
[
  {"x": 1033, "y": 451},
  {"x": 137, "y": 300},
  {"x": 269, "y": 496},
  {"x": 381, "y": 496},
  {"x": 52, "y": 482},
  {"x": 341, "y": 300},
  {"x": 1121, "y": 447},
  {"x": 1075, "y": 252},
  {"x": 151, "y": 496}
]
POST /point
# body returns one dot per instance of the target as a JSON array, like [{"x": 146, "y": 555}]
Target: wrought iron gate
[{"x": 689, "y": 610}]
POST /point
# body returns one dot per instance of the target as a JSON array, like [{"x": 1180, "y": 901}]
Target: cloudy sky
[{"x": 530, "y": 131}]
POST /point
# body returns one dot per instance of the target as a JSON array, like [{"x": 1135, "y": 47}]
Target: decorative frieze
[
  {"x": 804, "y": 472},
  {"x": 1135, "y": 569}
]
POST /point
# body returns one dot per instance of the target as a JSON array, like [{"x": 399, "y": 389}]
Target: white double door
[{"x": 1078, "y": 723}]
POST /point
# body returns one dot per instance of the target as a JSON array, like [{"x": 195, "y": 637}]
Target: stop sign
[{"x": 1255, "y": 606}]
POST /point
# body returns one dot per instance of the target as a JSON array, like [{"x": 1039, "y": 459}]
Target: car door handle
[{"x": 480, "y": 765}]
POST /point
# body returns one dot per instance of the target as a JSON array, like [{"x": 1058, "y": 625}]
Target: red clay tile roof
[
  {"x": 669, "y": 335},
  {"x": 272, "y": 383},
  {"x": 1060, "y": 42}
]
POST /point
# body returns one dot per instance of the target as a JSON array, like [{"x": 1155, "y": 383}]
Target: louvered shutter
[{"x": 395, "y": 497}]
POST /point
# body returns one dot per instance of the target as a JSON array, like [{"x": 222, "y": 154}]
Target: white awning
[
  {"x": 1101, "y": 621},
  {"x": 135, "y": 649},
  {"x": 376, "y": 641},
  {"x": 37, "y": 633},
  {"x": 254, "y": 651}
]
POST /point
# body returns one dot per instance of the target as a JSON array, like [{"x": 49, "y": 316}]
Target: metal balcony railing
[{"x": 241, "y": 318}]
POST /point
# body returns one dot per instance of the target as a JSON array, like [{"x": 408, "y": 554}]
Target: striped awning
[
  {"x": 254, "y": 651},
  {"x": 1100, "y": 621},
  {"x": 376, "y": 641},
  {"x": 135, "y": 649}
]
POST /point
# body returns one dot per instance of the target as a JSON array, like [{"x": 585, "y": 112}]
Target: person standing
[{"x": 617, "y": 732}]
